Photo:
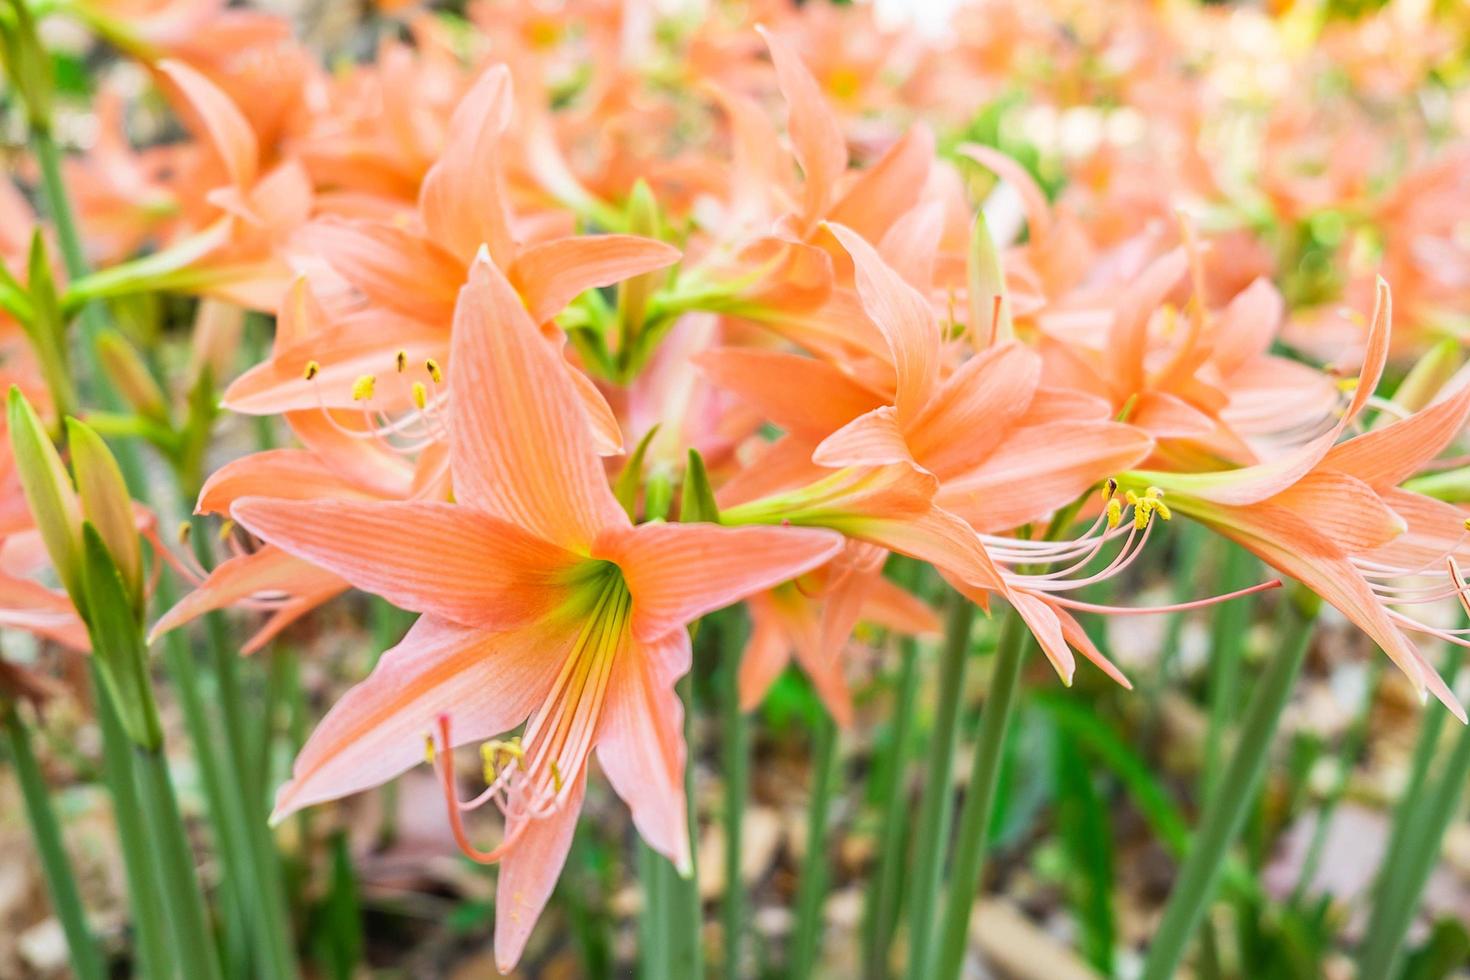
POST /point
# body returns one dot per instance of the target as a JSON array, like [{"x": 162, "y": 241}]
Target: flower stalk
[
  {"x": 966, "y": 874},
  {"x": 1223, "y": 820}
]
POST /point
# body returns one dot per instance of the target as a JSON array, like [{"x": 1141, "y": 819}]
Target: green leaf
[
  {"x": 625, "y": 488},
  {"x": 117, "y": 641},
  {"x": 1086, "y": 836}
]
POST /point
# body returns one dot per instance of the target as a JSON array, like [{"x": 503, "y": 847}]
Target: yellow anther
[
  {"x": 312, "y": 370},
  {"x": 420, "y": 395},
  {"x": 1110, "y": 490},
  {"x": 1131, "y": 497},
  {"x": 1467, "y": 523},
  {"x": 1347, "y": 384},
  {"x": 1142, "y": 511},
  {"x": 1163, "y": 511},
  {"x": 363, "y": 387},
  {"x": 435, "y": 375},
  {"x": 429, "y": 749},
  {"x": 1115, "y": 513},
  {"x": 402, "y": 360},
  {"x": 226, "y": 529},
  {"x": 185, "y": 529},
  {"x": 556, "y": 775},
  {"x": 487, "y": 757}
]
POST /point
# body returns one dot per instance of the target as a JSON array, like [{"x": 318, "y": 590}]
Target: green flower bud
[
  {"x": 117, "y": 641},
  {"x": 48, "y": 491},
  {"x": 106, "y": 503},
  {"x": 130, "y": 376}
]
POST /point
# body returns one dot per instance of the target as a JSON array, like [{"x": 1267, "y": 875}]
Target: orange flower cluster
[{"x": 859, "y": 291}]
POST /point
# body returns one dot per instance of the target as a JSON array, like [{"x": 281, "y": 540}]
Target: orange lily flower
[
  {"x": 542, "y": 605},
  {"x": 812, "y": 620},
  {"x": 1332, "y": 516}
]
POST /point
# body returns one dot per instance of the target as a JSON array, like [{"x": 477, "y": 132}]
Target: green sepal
[
  {"x": 117, "y": 641},
  {"x": 625, "y": 487},
  {"x": 698, "y": 500},
  {"x": 48, "y": 491},
  {"x": 658, "y": 496}
]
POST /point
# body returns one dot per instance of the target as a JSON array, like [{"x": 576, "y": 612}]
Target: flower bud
[
  {"x": 698, "y": 500},
  {"x": 26, "y": 64},
  {"x": 130, "y": 376},
  {"x": 990, "y": 306},
  {"x": 106, "y": 503},
  {"x": 48, "y": 491},
  {"x": 633, "y": 294}
]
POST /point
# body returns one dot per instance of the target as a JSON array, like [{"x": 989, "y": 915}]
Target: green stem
[
  {"x": 885, "y": 889},
  {"x": 1233, "y": 797},
  {"x": 66, "y": 899},
  {"x": 653, "y": 920},
  {"x": 812, "y": 889},
  {"x": 686, "y": 914},
  {"x": 154, "y": 956},
  {"x": 934, "y": 806},
  {"x": 183, "y": 899},
  {"x": 1227, "y": 640},
  {"x": 736, "y": 748},
  {"x": 1398, "y": 896},
  {"x": 969, "y": 860}
]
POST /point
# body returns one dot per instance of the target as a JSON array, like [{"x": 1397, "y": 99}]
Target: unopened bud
[
  {"x": 48, "y": 491},
  {"x": 106, "y": 503},
  {"x": 130, "y": 376}
]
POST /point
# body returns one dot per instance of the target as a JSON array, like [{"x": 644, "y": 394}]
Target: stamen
[
  {"x": 432, "y": 366},
  {"x": 312, "y": 370},
  {"x": 402, "y": 360},
  {"x": 420, "y": 395},
  {"x": 363, "y": 388}
]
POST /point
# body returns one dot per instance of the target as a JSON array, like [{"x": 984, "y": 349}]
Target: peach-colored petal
[
  {"x": 288, "y": 474},
  {"x": 210, "y": 112},
  {"x": 448, "y": 560},
  {"x": 392, "y": 266},
  {"x": 521, "y": 446},
  {"x": 1039, "y": 469},
  {"x": 640, "y": 741},
  {"x": 816, "y": 134},
  {"x": 529, "y": 871},
  {"x": 1044, "y": 624},
  {"x": 269, "y": 570},
  {"x": 905, "y": 319},
  {"x": 766, "y": 654},
  {"x": 889, "y": 188},
  {"x": 549, "y": 275},
  {"x": 488, "y": 682},
  {"x": 871, "y": 439},
  {"x": 807, "y": 397},
  {"x": 679, "y": 572},
  {"x": 975, "y": 409},
  {"x": 1165, "y": 416},
  {"x": 1344, "y": 511},
  {"x": 463, "y": 197},
  {"x": 1388, "y": 456}
]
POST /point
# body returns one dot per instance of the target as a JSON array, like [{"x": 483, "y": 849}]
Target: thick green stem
[
  {"x": 183, "y": 899},
  {"x": 1227, "y": 640},
  {"x": 1226, "y": 814},
  {"x": 736, "y": 749},
  {"x": 154, "y": 956},
  {"x": 68, "y": 235},
  {"x": 653, "y": 920},
  {"x": 969, "y": 859},
  {"x": 934, "y": 807},
  {"x": 885, "y": 888},
  {"x": 812, "y": 889},
  {"x": 66, "y": 899},
  {"x": 1398, "y": 896}
]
